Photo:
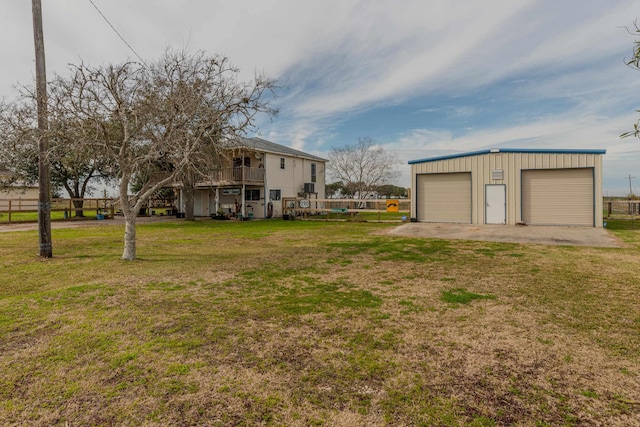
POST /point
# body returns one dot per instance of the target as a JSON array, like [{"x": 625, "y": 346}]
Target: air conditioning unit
[{"x": 309, "y": 187}]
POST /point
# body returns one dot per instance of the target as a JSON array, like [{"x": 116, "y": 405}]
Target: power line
[{"x": 116, "y": 31}]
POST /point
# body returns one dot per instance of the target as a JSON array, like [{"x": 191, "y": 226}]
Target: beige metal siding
[
  {"x": 444, "y": 197},
  {"x": 558, "y": 197},
  {"x": 512, "y": 165}
]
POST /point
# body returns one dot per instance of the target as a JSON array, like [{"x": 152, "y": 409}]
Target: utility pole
[
  {"x": 44, "y": 193},
  {"x": 630, "y": 178}
]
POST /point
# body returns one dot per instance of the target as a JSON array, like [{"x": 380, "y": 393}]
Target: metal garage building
[{"x": 509, "y": 186}]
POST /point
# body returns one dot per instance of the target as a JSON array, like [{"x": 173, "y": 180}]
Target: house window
[
  {"x": 313, "y": 172},
  {"x": 252, "y": 194},
  {"x": 275, "y": 194},
  {"x": 238, "y": 162},
  {"x": 281, "y": 162}
]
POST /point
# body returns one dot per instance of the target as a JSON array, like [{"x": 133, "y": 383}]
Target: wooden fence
[
  {"x": 372, "y": 209},
  {"x": 14, "y": 209},
  {"x": 622, "y": 207}
]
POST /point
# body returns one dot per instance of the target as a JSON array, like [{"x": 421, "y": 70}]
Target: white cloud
[
  {"x": 416, "y": 53},
  {"x": 587, "y": 132},
  {"x": 340, "y": 58}
]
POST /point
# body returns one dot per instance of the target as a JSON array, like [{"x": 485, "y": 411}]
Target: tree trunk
[
  {"x": 78, "y": 204},
  {"x": 129, "y": 213},
  {"x": 74, "y": 193},
  {"x": 129, "y": 253},
  {"x": 188, "y": 202}
]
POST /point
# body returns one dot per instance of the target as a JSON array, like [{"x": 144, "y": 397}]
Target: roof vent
[{"x": 494, "y": 150}]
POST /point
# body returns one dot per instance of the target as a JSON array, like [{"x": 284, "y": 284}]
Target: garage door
[
  {"x": 558, "y": 197},
  {"x": 444, "y": 197}
]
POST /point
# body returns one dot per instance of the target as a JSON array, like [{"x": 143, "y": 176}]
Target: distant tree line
[{"x": 385, "y": 191}]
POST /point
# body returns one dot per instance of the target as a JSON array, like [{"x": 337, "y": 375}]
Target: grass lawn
[
  {"x": 29, "y": 216},
  {"x": 362, "y": 216},
  {"x": 300, "y": 323},
  {"x": 33, "y": 216}
]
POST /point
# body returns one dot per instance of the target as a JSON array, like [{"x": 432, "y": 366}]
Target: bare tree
[
  {"x": 362, "y": 167},
  {"x": 634, "y": 63},
  {"x": 167, "y": 120}
]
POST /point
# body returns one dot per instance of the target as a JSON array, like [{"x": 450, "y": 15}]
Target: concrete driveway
[{"x": 542, "y": 235}]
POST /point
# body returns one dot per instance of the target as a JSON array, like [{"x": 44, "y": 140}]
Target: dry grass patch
[{"x": 297, "y": 323}]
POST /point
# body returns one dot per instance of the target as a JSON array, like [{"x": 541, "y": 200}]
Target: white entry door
[
  {"x": 495, "y": 204},
  {"x": 206, "y": 203}
]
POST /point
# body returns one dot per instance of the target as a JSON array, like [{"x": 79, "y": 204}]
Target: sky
[{"x": 422, "y": 78}]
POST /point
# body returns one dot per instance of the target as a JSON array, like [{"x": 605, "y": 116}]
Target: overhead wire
[{"x": 116, "y": 31}]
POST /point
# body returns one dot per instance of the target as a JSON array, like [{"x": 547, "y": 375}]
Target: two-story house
[{"x": 256, "y": 177}]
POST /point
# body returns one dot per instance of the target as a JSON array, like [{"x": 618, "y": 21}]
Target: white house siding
[
  {"x": 290, "y": 180},
  {"x": 18, "y": 196},
  {"x": 512, "y": 164},
  {"x": 19, "y": 193}
]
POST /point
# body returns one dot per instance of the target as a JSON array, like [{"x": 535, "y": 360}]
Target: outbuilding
[{"x": 509, "y": 186}]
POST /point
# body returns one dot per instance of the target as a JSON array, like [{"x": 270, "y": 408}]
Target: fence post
[
  {"x": 9, "y": 210},
  {"x": 609, "y": 208}
]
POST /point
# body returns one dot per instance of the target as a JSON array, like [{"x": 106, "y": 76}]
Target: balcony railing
[{"x": 234, "y": 176}]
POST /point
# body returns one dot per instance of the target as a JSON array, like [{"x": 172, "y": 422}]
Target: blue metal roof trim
[
  {"x": 449, "y": 156},
  {"x": 508, "y": 150},
  {"x": 553, "y": 151}
]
